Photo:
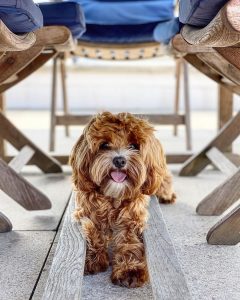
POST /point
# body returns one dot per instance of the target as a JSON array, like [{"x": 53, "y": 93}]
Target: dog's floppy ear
[
  {"x": 80, "y": 159},
  {"x": 155, "y": 162}
]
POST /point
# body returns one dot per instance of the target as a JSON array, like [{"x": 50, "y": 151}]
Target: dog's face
[{"x": 118, "y": 156}]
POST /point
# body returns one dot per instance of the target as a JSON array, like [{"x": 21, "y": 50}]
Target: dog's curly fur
[{"x": 114, "y": 209}]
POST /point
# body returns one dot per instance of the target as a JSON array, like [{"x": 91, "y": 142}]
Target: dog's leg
[
  {"x": 129, "y": 262},
  {"x": 165, "y": 193},
  {"x": 97, "y": 259}
]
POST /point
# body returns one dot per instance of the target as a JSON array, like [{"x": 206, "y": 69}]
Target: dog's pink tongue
[{"x": 118, "y": 176}]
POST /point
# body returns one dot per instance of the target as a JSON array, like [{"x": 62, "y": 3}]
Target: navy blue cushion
[
  {"x": 123, "y": 12},
  {"x": 20, "y": 16},
  {"x": 67, "y": 14},
  {"x": 199, "y": 12},
  {"x": 119, "y": 34}
]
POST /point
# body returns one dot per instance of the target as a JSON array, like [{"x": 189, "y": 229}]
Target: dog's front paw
[
  {"x": 94, "y": 266},
  {"x": 130, "y": 278},
  {"x": 167, "y": 200}
]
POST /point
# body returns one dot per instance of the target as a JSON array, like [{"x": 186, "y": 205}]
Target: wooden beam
[
  {"x": 221, "y": 65},
  {"x": 21, "y": 191},
  {"x": 14, "y": 62},
  {"x": 184, "y": 47},
  {"x": 71, "y": 119},
  {"x": 221, "y": 161},
  {"x": 225, "y": 106},
  {"x": 23, "y": 157},
  {"x": 166, "y": 277},
  {"x": 33, "y": 66},
  {"x": 66, "y": 273},
  {"x": 14, "y": 136},
  {"x": 222, "y": 140},
  {"x": 5, "y": 224},
  {"x": 221, "y": 198}
]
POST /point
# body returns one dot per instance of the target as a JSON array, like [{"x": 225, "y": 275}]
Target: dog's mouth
[{"x": 118, "y": 176}]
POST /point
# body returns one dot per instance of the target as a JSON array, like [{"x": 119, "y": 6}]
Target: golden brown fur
[{"x": 112, "y": 201}]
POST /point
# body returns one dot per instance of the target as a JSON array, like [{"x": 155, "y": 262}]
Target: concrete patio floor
[{"x": 212, "y": 272}]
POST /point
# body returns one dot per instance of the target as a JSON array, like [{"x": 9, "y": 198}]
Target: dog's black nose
[{"x": 119, "y": 161}]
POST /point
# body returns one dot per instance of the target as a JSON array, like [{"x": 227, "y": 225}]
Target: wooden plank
[
  {"x": 23, "y": 157},
  {"x": 54, "y": 37},
  {"x": 166, "y": 276},
  {"x": 43, "y": 276},
  {"x": 221, "y": 161},
  {"x": 22, "y": 254},
  {"x": 227, "y": 230},
  {"x": 20, "y": 190},
  {"x": 225, "y": 106},
  {"x": 204, "y": 68},
  {"x": 34, "y": 65},
  {"x": 5, "y": 224},
  {"x": 57, "y": 187},
  {"x": 157, "y": 119},
  {"x": 183, "y": 46},
  {"x": 14, "y": 136},
  {"x": 14, "y": 62},
  {"x": 65, "y": 277},
  {"x": 178, "y": 65},
  {"x": 187, "y": 118},
  {"x": 13, "y": 42},
  {"x": 221, "y": 198},
  {"x": 222, "y": 140},
  {"x": 221, "y": 65}
]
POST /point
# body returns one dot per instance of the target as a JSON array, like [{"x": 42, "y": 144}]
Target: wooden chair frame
[
  {"x": 217, "y": 55},
  {"x": 120, "y": 52},
  {"x": 20, "y": 56}
]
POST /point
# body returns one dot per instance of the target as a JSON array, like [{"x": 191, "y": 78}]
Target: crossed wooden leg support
[
  {"x": 227, "y": 230},
  {"x": 15, "y": 185}
]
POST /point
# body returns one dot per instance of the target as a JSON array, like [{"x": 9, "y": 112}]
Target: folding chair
[
  {"x": 20, "y": 56},
  {"x": 213, "y": 48},
  {"x": 122, "y": 30}
]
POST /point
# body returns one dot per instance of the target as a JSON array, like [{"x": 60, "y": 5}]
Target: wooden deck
[{"x": 212, "y": 272}]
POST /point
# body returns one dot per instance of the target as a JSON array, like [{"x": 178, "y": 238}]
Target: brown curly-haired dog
[{"x": 117, "y": 163}]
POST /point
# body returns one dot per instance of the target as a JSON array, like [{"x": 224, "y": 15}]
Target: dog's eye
[
  {"x": 105, "y": 146},
  {"x": 134, "y": 146}
]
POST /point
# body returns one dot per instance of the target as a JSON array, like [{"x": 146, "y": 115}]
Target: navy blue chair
[{"x": 121, "y": 30}]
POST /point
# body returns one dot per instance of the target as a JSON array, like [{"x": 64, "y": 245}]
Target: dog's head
[{"x": 118, "y": 156}]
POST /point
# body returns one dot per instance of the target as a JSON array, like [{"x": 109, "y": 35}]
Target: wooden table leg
[{"x": 225, "y": 108}]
